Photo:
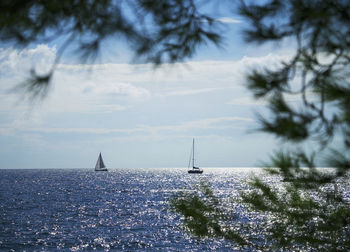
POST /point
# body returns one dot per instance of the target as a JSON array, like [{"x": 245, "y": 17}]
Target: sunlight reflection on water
[{"x": 77, "y": 209}]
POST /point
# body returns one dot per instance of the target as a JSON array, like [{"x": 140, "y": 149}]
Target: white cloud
[
  {"x": 207, "y": 123},
  {"x": 107, "y": 88},
  {"x": 229, "y": 20},
  {"x": 115, "y": 93},
  {"x": 183, "y": 92},
  {"x": 203, "y": 124},
  {"x": 124, "y": 89},
  {"x": 160, "y": 137},
  {"x": 18, "y": 62}
]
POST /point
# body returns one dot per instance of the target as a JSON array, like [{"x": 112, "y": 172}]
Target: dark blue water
[{"x": 79, "y": 209}]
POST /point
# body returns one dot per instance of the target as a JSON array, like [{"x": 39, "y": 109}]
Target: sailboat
[
  {"x": 100, "y": 166},
  {"x": 194, "y": 168}
]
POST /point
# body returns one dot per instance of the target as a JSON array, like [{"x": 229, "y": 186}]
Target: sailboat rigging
[
  {"x": 100, "y": 166},
  {"x": 194, "y": 168}
]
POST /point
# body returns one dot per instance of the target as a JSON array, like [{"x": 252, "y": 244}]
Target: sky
[{"x": 136, "y": 115}]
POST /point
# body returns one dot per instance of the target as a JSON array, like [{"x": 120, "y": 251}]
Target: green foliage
[
  {"x": 307, "y": 208},
  {"x": 204, "y": 215},
  {"x": 201, "y": 215}
]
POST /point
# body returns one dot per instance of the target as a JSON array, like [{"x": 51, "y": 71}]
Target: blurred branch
[
  {"x": 306, "y": 207},
  {"x": 164, "y": 31}
]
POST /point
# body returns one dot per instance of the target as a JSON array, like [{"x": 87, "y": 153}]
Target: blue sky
[{"x": 137, "y": 116}]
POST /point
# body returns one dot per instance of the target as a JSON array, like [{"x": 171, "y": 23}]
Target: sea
[{"x": 118, "y": 210}]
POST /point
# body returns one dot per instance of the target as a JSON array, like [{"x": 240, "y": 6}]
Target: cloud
[
  {"x": 107, "y": 88},
  {"x": 75, "y": 88},
  {"x": 184, "y": 92},
  {"x": 207, "y": 123},
  {"x": 289, "y": 98},
  {"x": 116, "y": 106},
  {"x": 161, "y": 137},
  {"x": 247, "y": 101},
  {"x": 107, "y": 108},
  {"x": 217, "y": 123},
  {"x": 119, "y": 89},
  {"x": 229, "y": 20},
  {"x": 110, "y": 91},
  {"x": 19, "y": 62}
]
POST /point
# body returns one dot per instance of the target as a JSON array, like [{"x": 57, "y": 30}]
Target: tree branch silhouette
[{"x": 164, "y": 31}]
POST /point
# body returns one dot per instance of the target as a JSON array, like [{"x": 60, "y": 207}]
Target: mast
[
  {"x": 194, "y": 168},
  {"x": 193, "y": 153}
]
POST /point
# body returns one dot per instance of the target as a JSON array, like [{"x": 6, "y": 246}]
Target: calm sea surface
[{"x": 122, "y": 209}]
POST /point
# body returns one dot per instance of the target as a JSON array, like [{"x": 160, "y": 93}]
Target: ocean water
[{"x": 122, "y": 209}]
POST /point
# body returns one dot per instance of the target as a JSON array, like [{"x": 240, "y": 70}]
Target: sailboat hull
[
  {"x": 104, "y": 169},
  {"x": 195, "y": 171}
]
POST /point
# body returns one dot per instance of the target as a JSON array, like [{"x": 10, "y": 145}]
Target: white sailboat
[
  {"x": 194, "y": 168},
  {"x": 100, "y": 166}
]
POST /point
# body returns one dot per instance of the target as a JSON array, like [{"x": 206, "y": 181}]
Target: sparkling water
[{"x": 122, "y": 209}]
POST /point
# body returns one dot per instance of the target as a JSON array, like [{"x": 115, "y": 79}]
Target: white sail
[{"x": 100, "y": 166}]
